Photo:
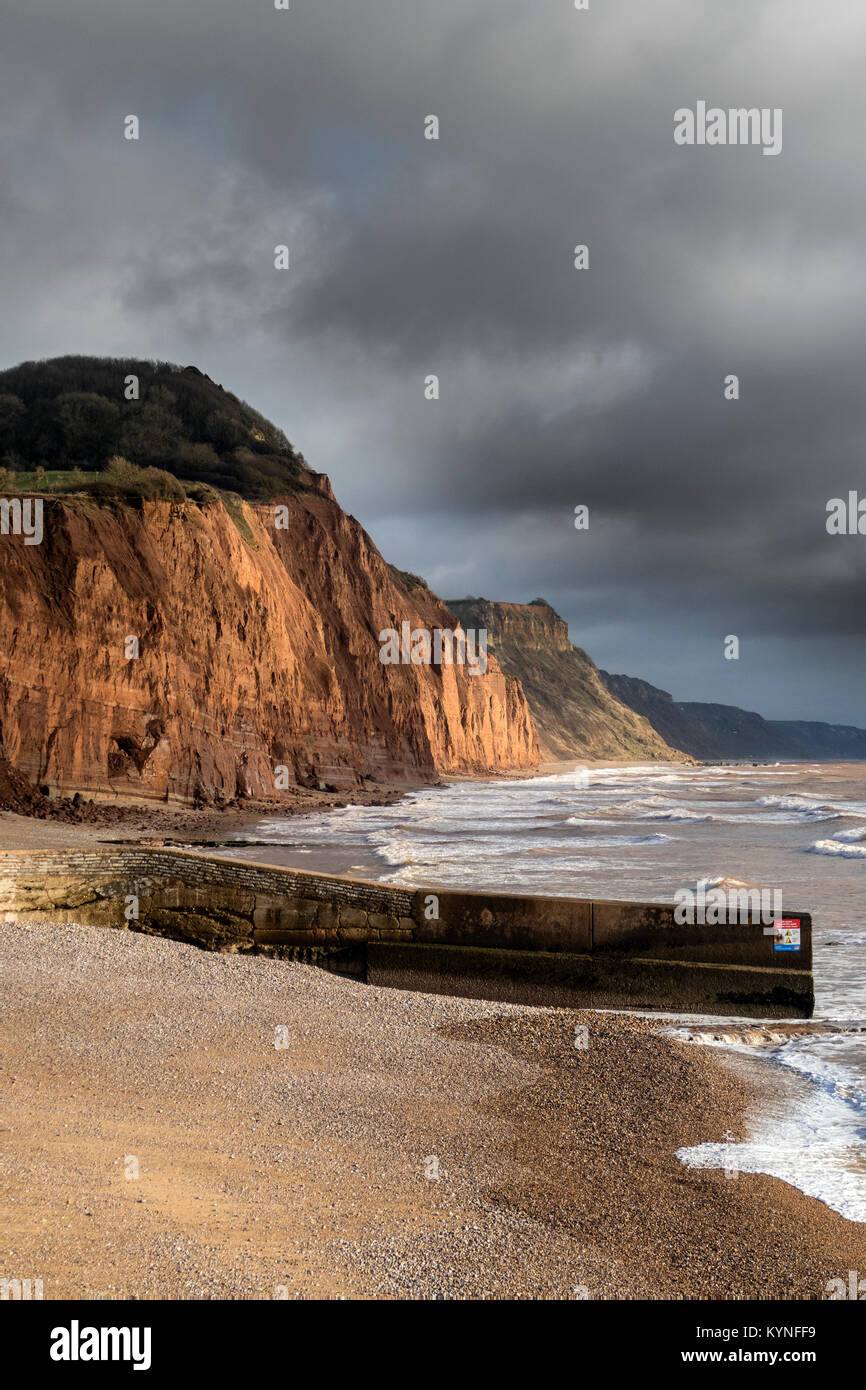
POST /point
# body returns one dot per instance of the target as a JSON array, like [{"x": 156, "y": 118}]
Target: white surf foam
[
  {"x": 817, "y": 1146},
  {"x": 837, "y": 848}
]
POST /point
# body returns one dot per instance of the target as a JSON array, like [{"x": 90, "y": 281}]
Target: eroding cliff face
[
  {"x": 256, "y": 651},
  {"x": 576, "y": 715}
]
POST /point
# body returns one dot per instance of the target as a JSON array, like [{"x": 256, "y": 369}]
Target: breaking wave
[{"x": 837, "y": 848}]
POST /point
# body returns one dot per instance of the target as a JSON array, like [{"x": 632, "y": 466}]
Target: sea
[{"x": 643, "y": 832}]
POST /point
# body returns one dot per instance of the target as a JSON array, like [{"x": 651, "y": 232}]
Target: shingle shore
[{"x": 309, "y": 1169}]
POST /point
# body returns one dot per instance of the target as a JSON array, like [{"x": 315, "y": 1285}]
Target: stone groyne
[{"x": 568, "y": 952}]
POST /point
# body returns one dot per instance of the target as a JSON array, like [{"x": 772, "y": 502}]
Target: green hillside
[{"x": 67, "y": 426}]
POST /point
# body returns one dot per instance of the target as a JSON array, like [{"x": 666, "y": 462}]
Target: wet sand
[
  {"x": 307, "y": 1170},
  {"x": 171, "y": 822},
  {"x": 91, "y": 823}
]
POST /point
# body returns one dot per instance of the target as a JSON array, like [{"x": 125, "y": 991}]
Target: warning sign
[{"x": 786, "y": 934}]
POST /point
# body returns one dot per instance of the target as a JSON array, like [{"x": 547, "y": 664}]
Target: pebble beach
[{"x": 186, "y": 1125}]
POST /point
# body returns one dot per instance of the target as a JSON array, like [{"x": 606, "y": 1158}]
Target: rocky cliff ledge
[
  {"x": 258, "y": 648},
  {"x": 576, "y": 715}
]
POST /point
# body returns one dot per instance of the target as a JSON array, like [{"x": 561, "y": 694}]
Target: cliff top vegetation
[{"x": 68, "y": 425}]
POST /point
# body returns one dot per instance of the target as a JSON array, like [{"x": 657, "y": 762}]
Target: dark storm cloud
[{"x": 455, "y": 257}]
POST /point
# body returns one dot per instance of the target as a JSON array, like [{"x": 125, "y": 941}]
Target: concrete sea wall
[{"x": 537, "y": 950}]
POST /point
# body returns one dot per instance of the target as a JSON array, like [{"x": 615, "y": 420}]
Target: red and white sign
[{"x": 786, "y": 934}]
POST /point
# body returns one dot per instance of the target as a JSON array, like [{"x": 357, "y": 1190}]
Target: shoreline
[
  {"x": 304, "y": 1168},
  {"x": 57, "y": 823},
  {"x": 66, "y": 823},
  {"x": 122, "y": 822},
  {"x": 539, "y": 1188}
]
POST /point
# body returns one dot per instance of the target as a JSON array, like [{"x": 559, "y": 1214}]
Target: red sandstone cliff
[
  {"x": 575, "y": 713},
  {"x": 255, "y": 652}
]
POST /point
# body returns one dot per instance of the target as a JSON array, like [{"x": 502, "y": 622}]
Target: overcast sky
[{"x": 409, "y": 257}]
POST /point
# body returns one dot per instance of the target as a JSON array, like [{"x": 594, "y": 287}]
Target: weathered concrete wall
[
  {"x": 587, "y": 981},
  {"x": 562, "y": 951}
]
